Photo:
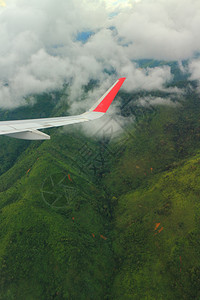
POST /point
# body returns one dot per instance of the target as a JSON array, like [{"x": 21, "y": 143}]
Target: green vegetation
[
  {"x": 78, "y": 215},
  {"x": 47, "y": 247},
  {"x": 165, "y": 264}
]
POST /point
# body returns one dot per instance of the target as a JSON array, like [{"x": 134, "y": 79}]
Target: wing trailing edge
[{"x": 30, "y": 135}]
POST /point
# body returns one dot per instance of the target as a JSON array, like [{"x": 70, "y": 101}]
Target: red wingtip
[{"x": 109, "y": 97}]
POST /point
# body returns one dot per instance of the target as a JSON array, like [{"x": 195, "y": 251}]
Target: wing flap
[{"x": 30, "y": 135}]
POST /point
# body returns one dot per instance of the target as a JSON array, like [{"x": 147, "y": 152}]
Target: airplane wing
[{"x": 28, "y": 129}]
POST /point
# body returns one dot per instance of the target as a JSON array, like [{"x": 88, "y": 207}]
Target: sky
[{"x": 40, "y": 51}]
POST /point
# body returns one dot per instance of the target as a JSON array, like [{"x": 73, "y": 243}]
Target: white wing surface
[{"x": 29, "y": 129}]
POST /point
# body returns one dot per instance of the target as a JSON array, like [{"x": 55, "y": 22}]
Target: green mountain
[{"x": 85, "y": 218}]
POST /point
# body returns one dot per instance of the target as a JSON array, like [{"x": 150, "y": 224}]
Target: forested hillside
[{"x": 84, "y": 218}]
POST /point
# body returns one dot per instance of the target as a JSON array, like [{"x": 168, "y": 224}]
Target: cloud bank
[
  {"x": 152, "y": 101},
  {"x": 39, "y": 50}
]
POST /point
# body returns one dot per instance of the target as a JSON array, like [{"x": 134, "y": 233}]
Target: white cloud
[
  {"x": 161, "y": 29},
  {"x": 151, "y": 101},
  {"x": 39, "y": 50},
  {"x": 194, "y": 69}
]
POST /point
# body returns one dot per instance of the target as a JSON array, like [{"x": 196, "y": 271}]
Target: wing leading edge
[{"x": 29, "y": 129}]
